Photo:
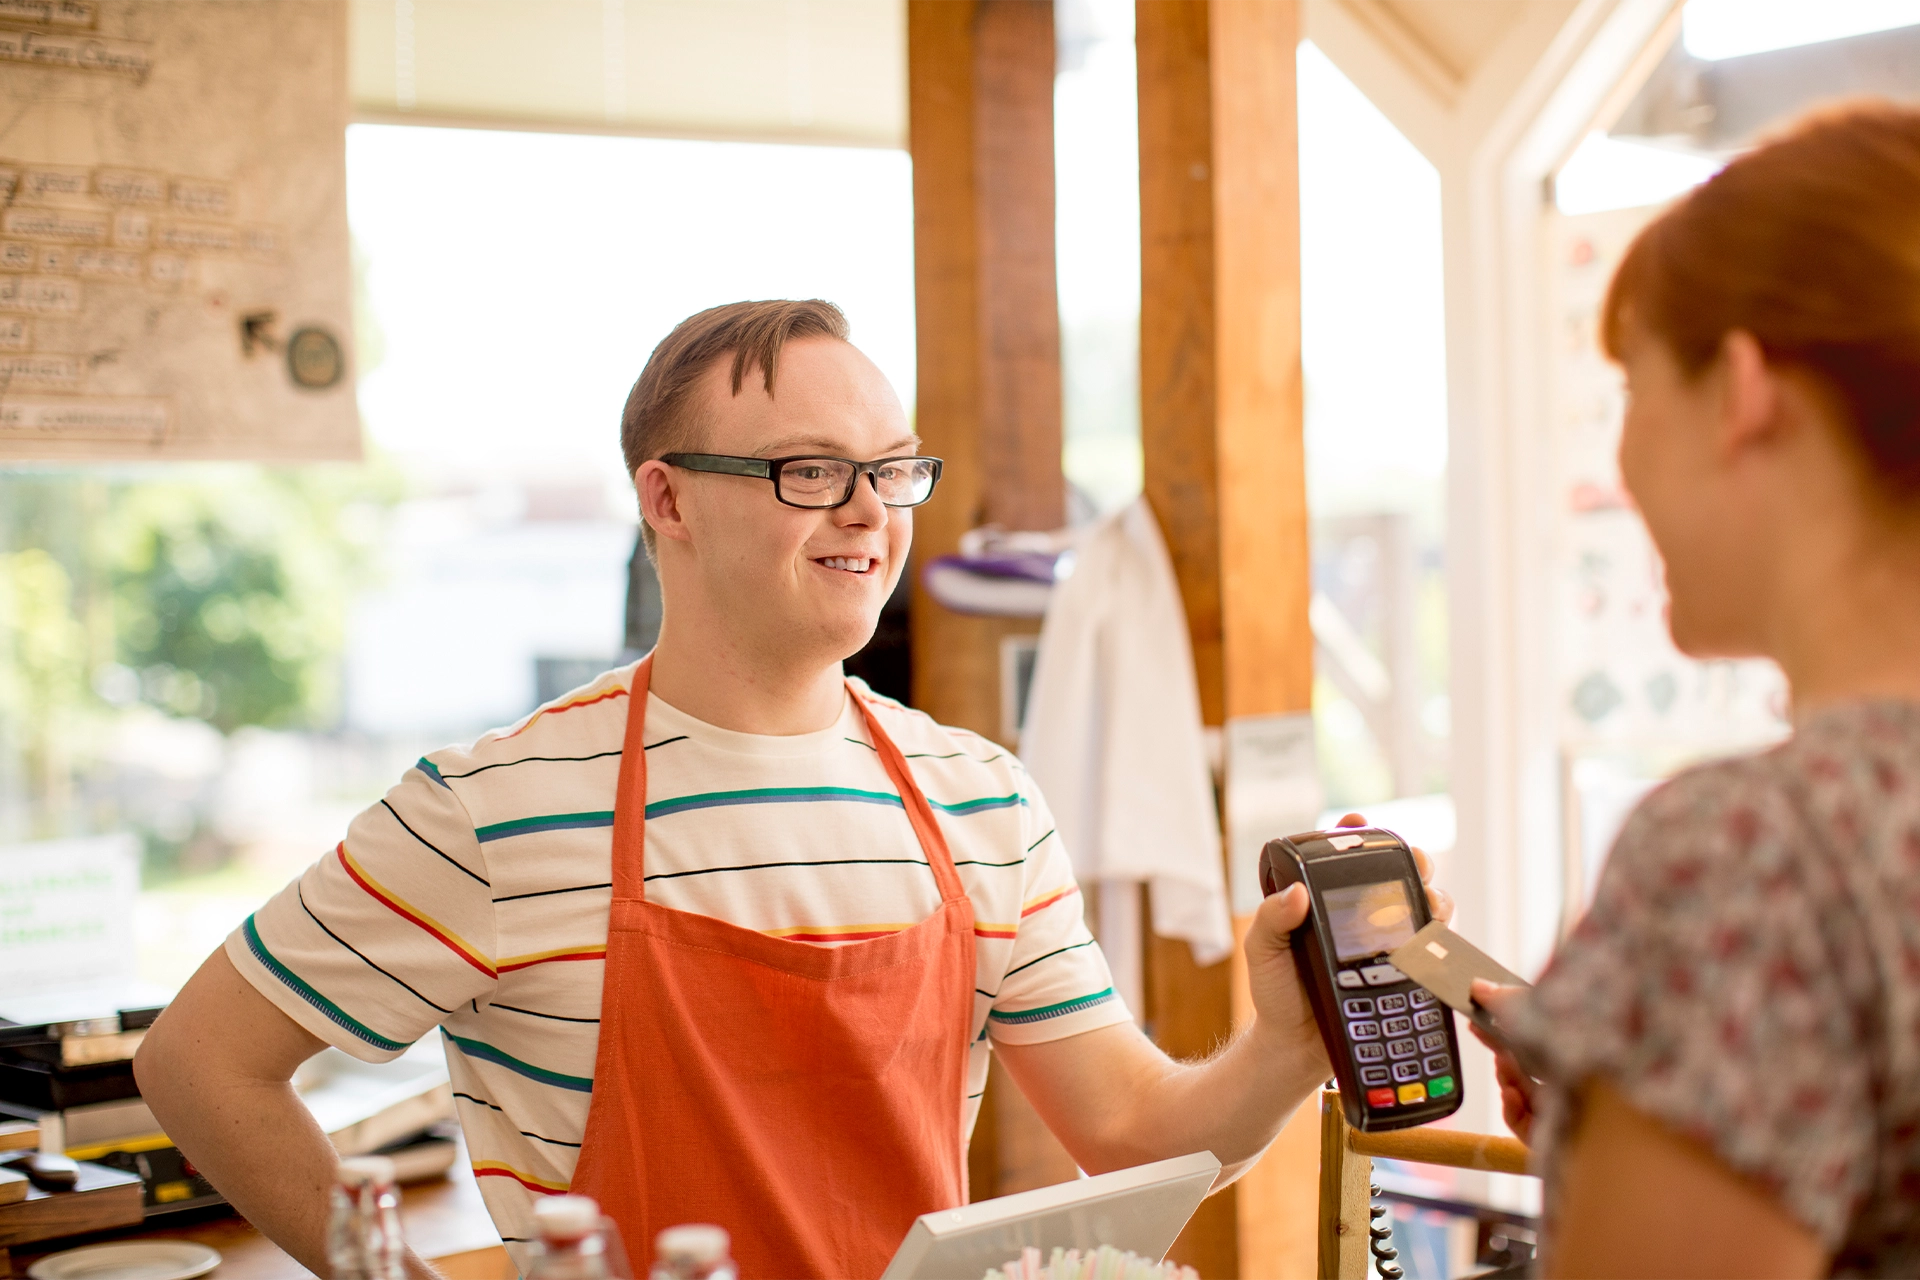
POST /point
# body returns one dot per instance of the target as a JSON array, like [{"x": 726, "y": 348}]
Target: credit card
[{"x": 1446, "y": 964}]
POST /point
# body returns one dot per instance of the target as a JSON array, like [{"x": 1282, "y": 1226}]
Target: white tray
[{"x": 1141, "y": 1209}]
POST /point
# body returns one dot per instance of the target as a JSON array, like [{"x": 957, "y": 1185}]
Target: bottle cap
[
  {"x": 566, "y": 1217},
  {"x": 696, "y": 1242},
  {"x": 357, "y": 1171}
]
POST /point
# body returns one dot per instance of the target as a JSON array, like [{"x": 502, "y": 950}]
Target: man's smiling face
[{"x": 810, "y": 582}]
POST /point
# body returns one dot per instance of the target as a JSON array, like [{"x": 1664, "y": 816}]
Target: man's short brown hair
[{"x": 661, "y": 416}]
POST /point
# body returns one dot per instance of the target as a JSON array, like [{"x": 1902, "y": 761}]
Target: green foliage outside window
[
  {"x": 43, "y": 673},
  {"x": 218, "y": 593},
  {"x": 230, "y": 599}
]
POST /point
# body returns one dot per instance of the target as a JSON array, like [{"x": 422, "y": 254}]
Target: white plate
[{"x": 131, "y": 1260}]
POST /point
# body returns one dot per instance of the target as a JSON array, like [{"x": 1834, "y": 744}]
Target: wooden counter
[{"x": 445, "y": 1221}]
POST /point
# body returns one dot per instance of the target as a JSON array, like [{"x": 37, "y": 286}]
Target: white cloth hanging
[{"x": 1114, "y": 740}]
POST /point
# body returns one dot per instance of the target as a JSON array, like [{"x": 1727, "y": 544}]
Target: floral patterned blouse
[{"x": 1749, "y": 974}]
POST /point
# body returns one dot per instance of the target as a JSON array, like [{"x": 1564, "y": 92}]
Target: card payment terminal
[{"x": 1393, "y": 1046}]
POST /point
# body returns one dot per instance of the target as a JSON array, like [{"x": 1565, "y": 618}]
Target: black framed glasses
[{"x": 817, "y": 483}]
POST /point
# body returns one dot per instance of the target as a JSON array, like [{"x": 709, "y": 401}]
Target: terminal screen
[{"x": 1368, "y": 919}]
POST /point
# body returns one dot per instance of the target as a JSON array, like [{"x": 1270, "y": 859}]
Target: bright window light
[
  {"x": 1097, "y": 209},
  {"x": 1607, "y": 173},
  {"x": 520, "y": 279},
  {"x": 1372, "y": 308},
  {"x": 1731, "y": 28}
]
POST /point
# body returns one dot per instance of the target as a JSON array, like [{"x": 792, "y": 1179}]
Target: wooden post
[
  {"x": 1345, "y": 1197},
  {"x": 980, "y": 92},
  {"x": 1221, "y": 434}
]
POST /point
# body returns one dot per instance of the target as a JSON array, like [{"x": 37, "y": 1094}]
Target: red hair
[{"x": 1811, "y": 243}]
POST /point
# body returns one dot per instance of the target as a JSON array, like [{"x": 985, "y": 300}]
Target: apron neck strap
[
  {"x": 630, "y": 800},
  {"x": 933, "y": 841}
]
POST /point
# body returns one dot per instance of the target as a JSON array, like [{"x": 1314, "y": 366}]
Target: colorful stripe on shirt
[
  {"x": 983, "y": 805},
  {"x": 544, "y": 823},
  {"x": 334, "y": 1013},
  {"x": 982, "y": 929},
  {"x": 559, "y": 708},
  {"x": 400, "y": 907},
  {"x": 836, "y": 932},
  {"x": 1021, "y": 1017},
  {"x": 770, "y": 795},
  {"x": 1046, "y": 900},
  {"x": 494, "y": 1169},
  {"x": 500, "y": 1057},
  {"x": 511, "y": 963}
]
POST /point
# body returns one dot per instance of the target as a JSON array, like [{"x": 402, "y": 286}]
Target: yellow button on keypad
[{"x": 1412, "y": 1093}]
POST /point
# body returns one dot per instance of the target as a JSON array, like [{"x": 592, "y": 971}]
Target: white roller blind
[{"x": 827, "y": 71}]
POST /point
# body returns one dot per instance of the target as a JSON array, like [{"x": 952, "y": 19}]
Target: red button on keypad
[{"x": 1380, "y": 1098}]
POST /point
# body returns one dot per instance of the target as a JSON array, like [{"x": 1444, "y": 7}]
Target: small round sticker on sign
[{"x": 314, "y": 359}]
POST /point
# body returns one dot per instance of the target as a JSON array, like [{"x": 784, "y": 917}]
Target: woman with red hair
[{"x": 1728, "y": 1047}]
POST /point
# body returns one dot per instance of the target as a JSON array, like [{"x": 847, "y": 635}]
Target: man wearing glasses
[{"x": 722, "y": 936}]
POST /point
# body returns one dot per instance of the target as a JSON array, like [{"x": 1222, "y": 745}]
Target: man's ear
[
  {"x": 1749, "y": 393},
  {"x": 660, "y": 500}
]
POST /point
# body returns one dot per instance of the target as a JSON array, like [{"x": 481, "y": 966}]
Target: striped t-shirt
[{"x": 475, "y": 897}]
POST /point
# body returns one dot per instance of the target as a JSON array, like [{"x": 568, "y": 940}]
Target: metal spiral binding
[{"x": 1378, "y": 1233}]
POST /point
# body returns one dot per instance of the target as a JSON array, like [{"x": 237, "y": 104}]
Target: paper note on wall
[
  {"x": 66, "y": 918},
  {"x": 174, "y": 269},
  {"x": 1273, "y": 789}
]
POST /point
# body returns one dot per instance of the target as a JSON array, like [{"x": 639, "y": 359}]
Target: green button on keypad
[{"x": 1439, "y": 1086}]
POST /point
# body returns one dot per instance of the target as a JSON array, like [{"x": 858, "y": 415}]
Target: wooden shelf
[{"x": 103, "y": 1199}]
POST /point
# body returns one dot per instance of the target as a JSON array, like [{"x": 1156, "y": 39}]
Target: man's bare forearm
[
  {"x": 1235, "y": 1103},
  {"x": 261, "y": 1148},
  {"x": 1115, "y": 1100},
  {"x": 216, "y": 1069}
]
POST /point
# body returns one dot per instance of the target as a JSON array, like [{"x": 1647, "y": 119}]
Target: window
[{"x": 230, "y": 661}]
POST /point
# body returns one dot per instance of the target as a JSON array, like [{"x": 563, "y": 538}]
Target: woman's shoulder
[
  {"x": 1857, "y": 770},
  {"x": 1844, "y": 789},
  {"x": 1688, "y": 827},
  {"x": 1734, "y": 974},
  {"x": 1759, "y": 864}
]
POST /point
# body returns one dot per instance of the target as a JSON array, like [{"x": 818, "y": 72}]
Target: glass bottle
[
  {"x": 575, "y": 1241},
  {"x": 364, "y": 1240},
  {"x": 696, "y": 1251}
]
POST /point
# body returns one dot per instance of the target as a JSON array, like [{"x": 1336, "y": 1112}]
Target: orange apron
[{"x": 805, "y": 1097}]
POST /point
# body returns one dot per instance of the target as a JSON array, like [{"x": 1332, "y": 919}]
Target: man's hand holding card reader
[{"x": 1393, "y": 1047}]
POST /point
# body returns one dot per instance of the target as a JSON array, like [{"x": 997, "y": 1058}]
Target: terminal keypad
[{"x": 1399, "y": 1042}]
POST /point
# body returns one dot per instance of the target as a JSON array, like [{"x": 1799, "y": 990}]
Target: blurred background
[
  {"x": 230, "y": 660},
  {"x": 222, "y": 663}
]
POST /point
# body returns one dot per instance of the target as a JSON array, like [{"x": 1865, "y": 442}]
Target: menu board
[{"x": 175, "y": 279}]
